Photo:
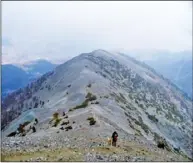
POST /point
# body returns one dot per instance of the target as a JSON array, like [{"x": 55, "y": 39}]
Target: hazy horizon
[{"x": 61, "y": 30}]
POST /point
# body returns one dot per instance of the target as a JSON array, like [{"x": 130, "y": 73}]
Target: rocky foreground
[{"x": 58, "y": 145}]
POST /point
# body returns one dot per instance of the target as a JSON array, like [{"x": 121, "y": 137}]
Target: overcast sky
[{"x": 62, "y": 29}]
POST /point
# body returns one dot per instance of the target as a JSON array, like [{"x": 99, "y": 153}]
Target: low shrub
[
  {"x": 68, "y": 128},
  {"x": 89, "y": 85},
  {"x": 92, "y": 121},
  {"x": 90, "y": 118},
  {"x": 56, "y": 115},
  {"x": 89, "y": 95},
  {"x": 153, "y": 118},
  {"x": 65, "y": 123},
  {"x": 160, "y": 144},
  {"x": 106, "y": 96},
  {"x": 83, "y": 105},
  {"x": 57, "y": 121},
  {"x": 92, "y": 98}
]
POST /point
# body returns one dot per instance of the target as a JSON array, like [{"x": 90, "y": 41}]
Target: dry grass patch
[{"x": 67, "y": 155}]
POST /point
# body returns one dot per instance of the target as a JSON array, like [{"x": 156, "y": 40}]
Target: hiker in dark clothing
[
  {"x": 21, "y": 128},
  {"x": 114, "y": 138},
  {"x": 33, "y": 129}
]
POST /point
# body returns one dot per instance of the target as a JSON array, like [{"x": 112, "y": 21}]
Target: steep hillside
[
  {"x": 179, "y": 72},
  {"x": 176, "y": 66},
  {"x": 119, "y": 92}
]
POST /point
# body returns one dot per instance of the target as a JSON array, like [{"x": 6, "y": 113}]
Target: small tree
[{"x": 56, "y": 115}]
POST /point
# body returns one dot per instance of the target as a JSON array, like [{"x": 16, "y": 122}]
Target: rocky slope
[{"x": 121, "y": 94}]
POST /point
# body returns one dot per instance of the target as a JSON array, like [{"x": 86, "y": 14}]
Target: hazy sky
[{"x": 57, "y": 30}]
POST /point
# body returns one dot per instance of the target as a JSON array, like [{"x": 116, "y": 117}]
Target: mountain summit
[{"x": 119, "y": 92}]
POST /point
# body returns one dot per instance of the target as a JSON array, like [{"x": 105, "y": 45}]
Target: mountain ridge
[{"x": 123, "y": 89}]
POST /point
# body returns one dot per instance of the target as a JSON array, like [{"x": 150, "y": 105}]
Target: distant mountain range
[
  {"x": 177, "y": 66},
  {"x": 18, "y": 76}
]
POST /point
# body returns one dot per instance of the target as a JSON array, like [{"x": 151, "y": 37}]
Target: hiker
[
  {"x": 33, "y": 129},
  {"x": 114, "y": 138},
  {"x": 21, "y": 128},
  {"x": 64, "y": 114}
]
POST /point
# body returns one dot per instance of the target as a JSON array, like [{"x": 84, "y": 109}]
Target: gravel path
[{"x": 79, "y": 146}]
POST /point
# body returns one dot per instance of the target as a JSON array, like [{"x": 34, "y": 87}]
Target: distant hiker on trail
[
  {"x": 114, "y": 138},
  {"x": 33, "y": 129}
]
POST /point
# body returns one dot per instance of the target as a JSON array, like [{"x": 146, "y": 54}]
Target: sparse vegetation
[
  {"x": 136, "y": 101},
  {"x": 141, "y": 106},
  {"x": 126, "y": 114},
  {"x": 145, "y": 128},
  {"x": 118, "y": 98},
  {"x": 91, "y": 121},
  {"x": 57, "y": 121},
  {"x": 68, "y": 128},
  {"x": 161, "y": 144},
  {"x": 89, "y": 85},
  {"x": 130, "y": 96},
  {"x": 160, "y": 141},
  {"x": 123, "y": 107},
  {"x": 106, "y": 96},
  {"x": 138, "y": 132},
  {"x": 122, "y": 96},
  {"x": 152, "y": 117},
  {"x": 83, "y": 105},
  {"x": 143, "y": 125},
  {"x": 90, "y": 96},
  {"x": 90, "y": 118},
  {"x": 104, "y": 75},
  {"x": 55, "y": 115},
  {"x": 64, "y": 123},
  {"x": 130, "y": 107}
]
